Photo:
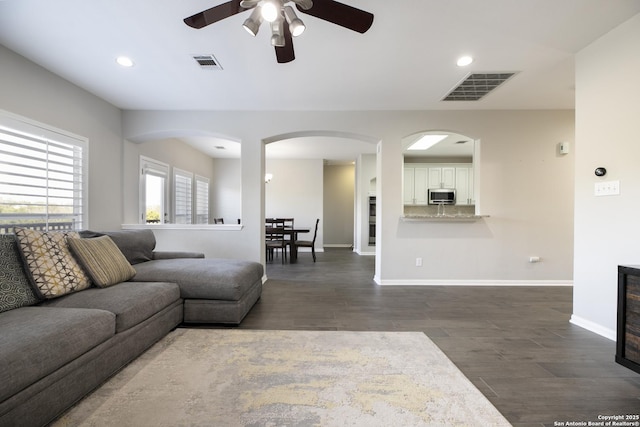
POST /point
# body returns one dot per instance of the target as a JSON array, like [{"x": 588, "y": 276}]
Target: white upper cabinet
[
  {"x": 442, "y": 176},
  {"x": 464, "y": 186},
  {"x": 415, "y": 185}
]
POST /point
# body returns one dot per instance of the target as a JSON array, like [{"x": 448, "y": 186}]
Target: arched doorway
[{"x": 326, "y": 175}]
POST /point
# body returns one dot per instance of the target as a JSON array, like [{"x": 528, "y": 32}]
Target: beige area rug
[{"x": 210, "y": 377}]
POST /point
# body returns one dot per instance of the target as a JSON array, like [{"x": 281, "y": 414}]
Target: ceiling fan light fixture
[
  {"x": 296, "y": 26},
  {"x": 270, "y": 10},
  {"x": 248, "y": 4},
  {"x": 277, "y": 33},
  {"x": 304, "y": 4},
  {"x": 252, "y": 23}
]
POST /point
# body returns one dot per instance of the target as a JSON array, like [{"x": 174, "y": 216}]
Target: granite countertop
[{"x": 442, "y": 218}]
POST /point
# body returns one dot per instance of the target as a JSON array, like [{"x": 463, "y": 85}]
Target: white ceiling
[{"x": 406, "y": 61}]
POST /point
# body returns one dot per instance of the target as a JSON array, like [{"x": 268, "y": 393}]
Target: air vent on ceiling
[
  {"x": 476, "y": 86},
  {"x": 207, "y": 62}
]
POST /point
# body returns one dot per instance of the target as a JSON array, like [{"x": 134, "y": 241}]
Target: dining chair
[
  {"x": 275, "y": 238},
  {"x": 289, "y": 234},
  {"x": 310, "y": 243}
]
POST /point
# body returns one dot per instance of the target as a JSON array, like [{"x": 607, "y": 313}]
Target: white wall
[
  {"x": 31, "y": 91},
  {"x": 296, "y": 191},
  {"x": 339, "y": 199},
  {"x": 606, "y": 228}
]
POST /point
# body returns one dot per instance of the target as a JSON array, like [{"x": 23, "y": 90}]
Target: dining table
[{"x": 293, "y": 236}]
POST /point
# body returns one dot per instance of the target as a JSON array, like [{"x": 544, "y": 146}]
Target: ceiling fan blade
[
  {"x": 285, "y": 53},
  {"x": 215, "y": 14},
  {"x": 340, "y": 14}
]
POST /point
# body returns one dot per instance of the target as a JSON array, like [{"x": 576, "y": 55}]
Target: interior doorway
[{"x": 314, "y": 176}]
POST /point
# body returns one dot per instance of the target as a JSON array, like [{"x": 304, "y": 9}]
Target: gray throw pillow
[
  {"x": 15, "y": 289},
  {"x": 136, "y": 245}
]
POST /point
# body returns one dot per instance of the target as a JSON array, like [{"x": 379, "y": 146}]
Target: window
[
  {"x": 153, "y": 191},
  {"x": 202, "y": 200},
  {"x": 183, "y": 196},
  {"x": 187, "y": 203},
  {"x": 43, "y": 174}
]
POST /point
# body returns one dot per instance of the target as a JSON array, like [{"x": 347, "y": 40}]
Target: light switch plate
[{"x": 607, "y": 188}]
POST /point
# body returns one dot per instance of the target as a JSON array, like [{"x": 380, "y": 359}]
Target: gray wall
[
  {"x": 339, "y": 199},
  {"x": 31, "y": 91},
  {"x": 526, "y": 187}
]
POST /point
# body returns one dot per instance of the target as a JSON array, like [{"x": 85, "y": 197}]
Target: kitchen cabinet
[
  {"x": 464, "y": 186},
  {"x": 415, "y": 185},
  {"x": 442, "y": 177},
  {"x": 420, "y": 177}
]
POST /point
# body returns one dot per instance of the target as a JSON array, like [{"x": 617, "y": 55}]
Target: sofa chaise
[{"x": 57, "y": 346}]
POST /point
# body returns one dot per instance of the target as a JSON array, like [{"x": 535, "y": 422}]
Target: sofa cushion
[
  {"x": 204, "y": 278},
  {"x": 131, "y": 302},
  {"x": 50, "y": 266},
  {"x": 35, "y": 341},
  {"x": 15, "y": 289},
  {"x": 136, "y": 245},
  {"x": 102, "y": 260}
]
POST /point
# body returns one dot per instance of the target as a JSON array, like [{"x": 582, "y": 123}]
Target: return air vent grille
[
  {"x": 476, "y": 86},
  {"x": 207, "y": 62}
]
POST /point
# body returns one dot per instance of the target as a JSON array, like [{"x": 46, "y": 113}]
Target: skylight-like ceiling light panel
[{"x": 426, "y": 142}]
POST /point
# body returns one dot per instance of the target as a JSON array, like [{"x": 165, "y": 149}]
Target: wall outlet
[{"x": 418, "y": 262}]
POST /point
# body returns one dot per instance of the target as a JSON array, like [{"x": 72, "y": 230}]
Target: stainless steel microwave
[{"x": 442, "y": 196}]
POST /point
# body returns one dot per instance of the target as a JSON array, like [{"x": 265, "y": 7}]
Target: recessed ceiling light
[
  {"x": 426, "y": 141},
  {"x": 463, "y": 61},
  {"x": 124, "y": 61}
]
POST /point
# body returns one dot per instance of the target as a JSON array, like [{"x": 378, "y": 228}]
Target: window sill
[{"x": 212, "y": 227}]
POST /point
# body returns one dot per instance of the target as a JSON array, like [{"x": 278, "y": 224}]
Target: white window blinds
[
  {"x": 42, "y": 176},
  {"x": 183, "y": 182},
  {"x": 202, "y": 200}
]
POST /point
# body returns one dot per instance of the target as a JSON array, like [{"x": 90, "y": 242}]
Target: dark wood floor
[{"x": 514, "y": 343}]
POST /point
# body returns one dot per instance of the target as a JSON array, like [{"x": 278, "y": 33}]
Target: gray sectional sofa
[{"x": 54, "y": 351}]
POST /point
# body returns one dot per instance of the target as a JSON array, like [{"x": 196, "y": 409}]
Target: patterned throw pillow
[
  {"x": 102, "y": 259},
  {"x": 52, "y": 269},
  {"x": 15, "y": 290}
]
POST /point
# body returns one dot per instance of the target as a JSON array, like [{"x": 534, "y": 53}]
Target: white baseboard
[
  {"x": 337, "y": 245},
  {"x": 365, "y": 253},
  {"x": 593, "y": 327},
  {"x": 476, "y": 282}
]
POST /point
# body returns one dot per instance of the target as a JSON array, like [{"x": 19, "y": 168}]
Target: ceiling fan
[{"x": 276, "y": 12}]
